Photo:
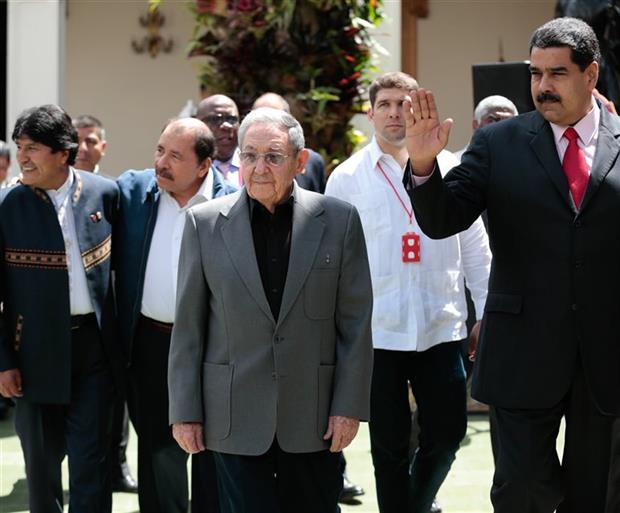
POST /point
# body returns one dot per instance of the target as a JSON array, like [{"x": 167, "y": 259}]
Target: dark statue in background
[{"x": 604, "y": 17}]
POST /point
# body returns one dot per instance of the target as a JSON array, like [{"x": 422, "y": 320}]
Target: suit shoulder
[
  {"x": 13, "y": 192},
  {"x": 214, "y": 206},
  {"x": 98, "y": 181},
  {"x": 135, "y": 180}
]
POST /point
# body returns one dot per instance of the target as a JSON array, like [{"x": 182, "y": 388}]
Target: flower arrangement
[{"x": 318, "y": 54}]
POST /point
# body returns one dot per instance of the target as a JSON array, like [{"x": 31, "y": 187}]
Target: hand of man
[
  {"x": 342, "y": 431},
  {"x": 425, "y": 136},
  {"x": 189, "y": 436},
  {"x": 608, "y": 104},
  {"x": 11, "y": 383},
  {"x": 473, "y": 341}
]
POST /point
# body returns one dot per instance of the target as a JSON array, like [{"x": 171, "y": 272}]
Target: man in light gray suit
[{"x": 271, "y": 353}]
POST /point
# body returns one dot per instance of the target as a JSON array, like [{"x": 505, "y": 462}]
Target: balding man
[
  {"x": 221, "y": 115},
  {"x": 490, "y": 110},
  {"x": 153, "y": 206},
  {"x": 312, "y": 178}
]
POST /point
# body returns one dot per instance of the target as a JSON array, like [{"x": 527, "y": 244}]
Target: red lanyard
[{"x": 409, "y": 212}]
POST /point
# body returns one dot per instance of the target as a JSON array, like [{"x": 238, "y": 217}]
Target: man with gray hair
[
  {"x": 271, "y": 351},
  {"x": 312, "y": 178},
  {"x": 490, "y": 110}
]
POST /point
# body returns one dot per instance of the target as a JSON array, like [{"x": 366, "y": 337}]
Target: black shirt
[{"x": 272, "y": 245}]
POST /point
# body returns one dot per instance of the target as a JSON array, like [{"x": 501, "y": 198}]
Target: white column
[{"x": 35, "y": 55}]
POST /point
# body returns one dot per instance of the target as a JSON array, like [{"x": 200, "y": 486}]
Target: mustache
[
  {"x": 548, "y": 97},
  {"x": 164, "y": 174}
]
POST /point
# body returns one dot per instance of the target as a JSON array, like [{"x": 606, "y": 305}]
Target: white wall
[
  {"x": 460, "y": 33},
  {"x": 35, "y": 56},
  {"x": 132, "y": 94}
]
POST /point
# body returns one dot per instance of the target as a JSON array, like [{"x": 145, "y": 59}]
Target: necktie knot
[
  {"x": 575, "y": 167},
  {"x": 571, "y": 134}
]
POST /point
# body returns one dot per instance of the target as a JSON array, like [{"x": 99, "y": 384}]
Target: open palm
[{"x": 425, "y": 136}]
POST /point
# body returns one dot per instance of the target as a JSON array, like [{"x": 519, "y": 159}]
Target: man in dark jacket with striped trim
[{"x": 56, "y": 354}]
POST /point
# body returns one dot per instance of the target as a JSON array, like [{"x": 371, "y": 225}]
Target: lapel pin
[{"x": 96, "y": 217}]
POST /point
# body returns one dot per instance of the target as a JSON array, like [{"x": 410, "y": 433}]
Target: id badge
[{"x": 411, "y": 247}]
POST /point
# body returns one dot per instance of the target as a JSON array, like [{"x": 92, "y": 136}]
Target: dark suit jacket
[
  {"x": 554, "y": 289},
  {"x": 313, "y": 177},
  {"x": 139, "y": 199},
  {"x": 35, "y": 326}
]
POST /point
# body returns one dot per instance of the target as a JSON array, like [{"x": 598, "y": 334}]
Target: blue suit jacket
[
  {"x": 139, "y": 198},
  {"x": 35, "y": 325}
]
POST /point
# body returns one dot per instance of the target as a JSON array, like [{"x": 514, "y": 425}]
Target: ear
[
  {"x": 475, "y": 125},
  {"x": 104, "y": 146},
  {"x": 64, "y": 156},
  {"x": 592, "y": 74},
  {"x": 301, "y": 160},
  {"x": 203, "y": 170},
  {"x": 370, "y": 114}
]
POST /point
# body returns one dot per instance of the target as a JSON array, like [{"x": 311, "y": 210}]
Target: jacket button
[
  {"x": 274, "y": 375},
  {"x": 574, "y": 307},
  {"x": 578, "y": 223}
]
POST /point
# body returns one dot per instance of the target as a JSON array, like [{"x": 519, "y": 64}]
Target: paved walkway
[{"x": 465, "y": 491}]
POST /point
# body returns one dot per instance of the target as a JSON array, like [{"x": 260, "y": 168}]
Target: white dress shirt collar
[
  {"x": 586, "y": 127},
  {"x": 204, "y": 193},
  {"x": 58, "y": 195}
]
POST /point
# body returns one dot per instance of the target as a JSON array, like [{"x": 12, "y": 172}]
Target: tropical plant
[{"x": 318, "y": 54}]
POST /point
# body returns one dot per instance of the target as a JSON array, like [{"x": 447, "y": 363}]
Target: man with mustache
[
  {"x": 152, "y": 216},
  {"x": 58, "y": 352},
  {"x": 549, "y": 342},
  {"x": 221, "y": 115},
  {"x": 419, "y": 310}
]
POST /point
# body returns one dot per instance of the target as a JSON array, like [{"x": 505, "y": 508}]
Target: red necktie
[{"x": 575, "y": 167}]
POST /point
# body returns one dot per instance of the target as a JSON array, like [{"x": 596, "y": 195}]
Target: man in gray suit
[{"x": 271, "y": 352}]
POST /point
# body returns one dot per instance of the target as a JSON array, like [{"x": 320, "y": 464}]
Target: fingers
[
  {"x": 423, "y": 105},
  {"x": 330, "y": 429},
  {"x": 189, "y": 436},
  {"x": 344, "y": 431},
  {"x": 11, "y": 383}
]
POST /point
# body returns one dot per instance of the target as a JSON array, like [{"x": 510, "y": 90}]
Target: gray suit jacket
[{"x": 248, "y": 377}]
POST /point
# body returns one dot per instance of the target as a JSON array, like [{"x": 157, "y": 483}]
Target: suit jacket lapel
[
  {"x": 81, "y": 217},
  {"x": 607, "y": 148},
  {"x": 543, "y": 145},
  {"x": 237, "y": 236},
  {"x": 307, "y": 233}
]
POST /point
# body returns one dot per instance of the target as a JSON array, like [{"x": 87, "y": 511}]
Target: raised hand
[{"x": 425, "y": 136}]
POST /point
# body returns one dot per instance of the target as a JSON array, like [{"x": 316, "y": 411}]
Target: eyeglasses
[
  {"x": 273, "y": 159},
  {"x": 220, "y": 119}
]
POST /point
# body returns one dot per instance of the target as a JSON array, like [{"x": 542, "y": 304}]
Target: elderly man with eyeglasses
[{"x": 271, "y": 352}]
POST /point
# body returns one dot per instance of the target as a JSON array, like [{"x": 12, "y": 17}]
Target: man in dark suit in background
[
  {"x": 147, "y": 244},
  {"x": 57, "y": 348},
  {"x": 549, "y": 344}
]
